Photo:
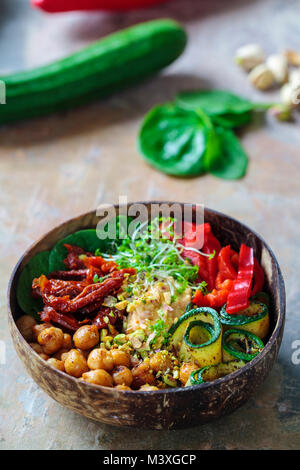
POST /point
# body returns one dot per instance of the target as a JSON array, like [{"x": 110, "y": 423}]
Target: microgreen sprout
[
  {"x": 155, "y": 254},
  {"x": 161, "y": 330}
]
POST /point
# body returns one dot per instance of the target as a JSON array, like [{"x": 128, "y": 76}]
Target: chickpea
[
  {"x": 86, "y": 337},
  {"x": 185, "y": 371},
  {"x": 84, "y": 352},
  {"x": 38, "y": 328},
  {"x": 44, "y": 356},
  {"x": 98, "y": 377},
  {"x": 25, "y": 325},
  {"x": 51, "y": 339},
  {"x": 100, "y": 359},
  {"x": 64, "y": 355},
  {"x": 120, "y": 358},
  {"x": 75, "y": 364},
  {"x": 59, "y": 365},
  {"x": 68, "y": 343},
  {"x": 122, "y": 376},
  {"x": 60, "y": 353},
  {"x": 148, "y": 387},
  {"x": 161, "y": 361},
  {"x": 122, "y": 387},
  {"x": 36, "y": 347},
  {"x": 142, "y": 375}
]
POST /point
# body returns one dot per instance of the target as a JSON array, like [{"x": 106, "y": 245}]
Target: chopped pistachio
[
  {"x": 109, "y": 301},
  {"x": 120, "y": 339},
  {"x": 107, "y": 339},
  {"x": 121, "y": 305},
  {"x": 136, "y": 343},
  {"x": 103, "y": 334}
]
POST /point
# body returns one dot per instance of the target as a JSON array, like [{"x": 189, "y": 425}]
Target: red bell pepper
[
  {"x": 238, "y": 298},
  {"x": 225, "y": 267},
  {"x": 58, "y": 6},
  {"x": 216, "y": 298},
  {"x": 207, "y": 266}
]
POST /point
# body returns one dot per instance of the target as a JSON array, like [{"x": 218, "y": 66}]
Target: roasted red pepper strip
[
  {"x": 238, "y": 298},
  {"x": 76, "y": 257},
  {"x": 91, "y": 294},
  {"x": 56, "y": 6},
  {"x": 49, "y": 315}
]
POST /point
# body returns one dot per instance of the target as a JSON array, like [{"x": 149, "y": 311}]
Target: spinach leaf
[
  {"x": 233, "y": 161},
  {"x": 231, "y": 120},
  {"x": 214, "y": 102},
  {"x": 38, "y": 265},
  {"x": 178, "y": 142}
]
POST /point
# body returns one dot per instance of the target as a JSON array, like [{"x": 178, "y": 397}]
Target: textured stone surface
[{"x": 57, "y": 167}]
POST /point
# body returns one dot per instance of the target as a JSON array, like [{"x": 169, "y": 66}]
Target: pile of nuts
[{"x": 281, "y": 69}]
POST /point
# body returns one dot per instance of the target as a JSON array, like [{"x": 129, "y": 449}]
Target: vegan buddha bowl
[{"x": 126, "y": 329}]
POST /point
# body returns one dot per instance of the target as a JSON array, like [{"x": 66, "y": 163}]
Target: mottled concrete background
[{"x": 57, "y": 167}]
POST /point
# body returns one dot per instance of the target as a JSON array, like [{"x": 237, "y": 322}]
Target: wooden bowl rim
[{"x": 132, "y": 393}]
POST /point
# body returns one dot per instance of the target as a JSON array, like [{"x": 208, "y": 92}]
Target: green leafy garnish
[
  {"x": 194, "y": 135},
  {"x": 161, "y": 330},
  {"x": 177, "y": 141},
  {"x": 155, "y": 258},
  {"x": 233, "y": 161},
  {"x": 226, "y": 107},
  {"x": 203, "y": 287},
  {"x": 37, "y": 266}
]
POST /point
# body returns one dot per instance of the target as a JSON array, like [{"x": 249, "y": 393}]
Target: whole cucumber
[{"x": 108, "y": 65}]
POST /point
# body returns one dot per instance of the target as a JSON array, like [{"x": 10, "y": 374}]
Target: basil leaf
[
  {"x": 177, "y": 141},
  {"x": 214, "y": 102},
  {"x": 233, "y": 161},
  {"x": 38, "y": 265}
]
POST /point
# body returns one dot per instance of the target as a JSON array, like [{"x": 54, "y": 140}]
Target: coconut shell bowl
[{"x": 168, "y": 408}]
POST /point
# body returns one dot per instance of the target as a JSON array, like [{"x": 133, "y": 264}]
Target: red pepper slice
[
  {"x": 238, "y": 298},
  {"x": 56, "y": 6},
  {"x": 226, "y": 269},
  {"x": 207, "y": 267},
  {"x": 216, "y": 298}
]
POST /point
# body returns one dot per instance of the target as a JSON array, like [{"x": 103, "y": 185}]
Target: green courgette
[
  {"x": 255, "y": 319},
  {"x": 241, "y": 345},
  {"x": 113, "y": 63},
  {"x": 197, "y": 336},
  {"x": 210, "y": 373}
]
